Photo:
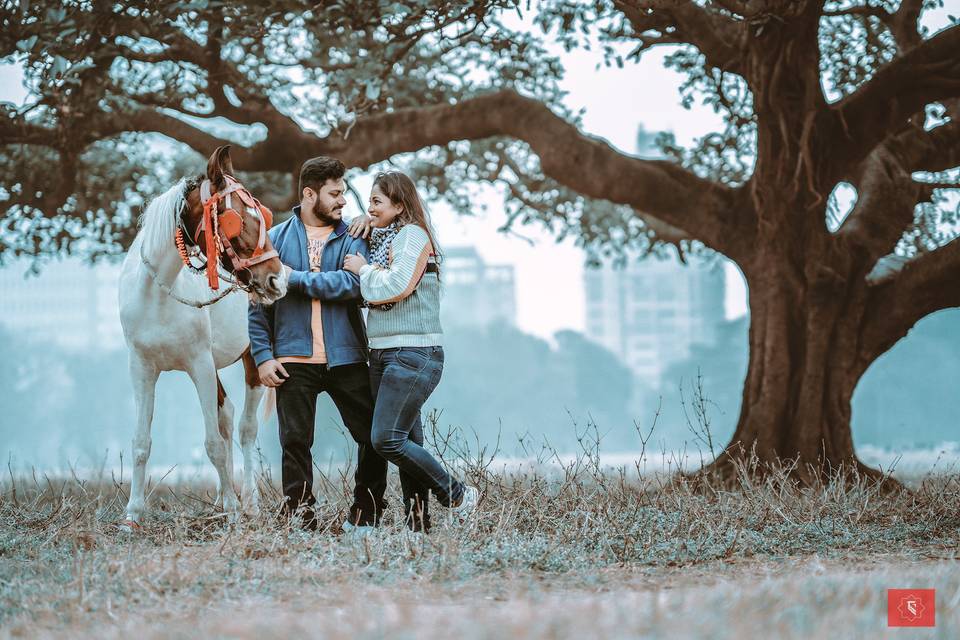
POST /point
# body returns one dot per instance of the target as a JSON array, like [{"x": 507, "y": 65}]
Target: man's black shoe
[
  {"x": 364, "y": 512},
  {"x": 304, "y": 517}
]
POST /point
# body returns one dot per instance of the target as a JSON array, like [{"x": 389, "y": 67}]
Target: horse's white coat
[{"x": 165, "y": 335}]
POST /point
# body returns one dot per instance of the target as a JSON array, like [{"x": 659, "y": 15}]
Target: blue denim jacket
[{"x": 283, "y": 329}]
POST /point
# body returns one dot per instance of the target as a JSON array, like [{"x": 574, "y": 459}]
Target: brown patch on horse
[
  {"x": 221, "y": 392},
  {"x": 250, "y": 373},
  {"x": 221, "y": 396}
]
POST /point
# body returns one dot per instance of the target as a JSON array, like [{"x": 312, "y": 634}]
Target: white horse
[{"x": 167, "y": 327}]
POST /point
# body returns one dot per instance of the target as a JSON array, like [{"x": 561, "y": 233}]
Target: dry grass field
[{"x": 576, "y": 550}]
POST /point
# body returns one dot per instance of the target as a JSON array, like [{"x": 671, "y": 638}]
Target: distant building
[
  {"x": 70, "y": 303},
  {"x": 651, "y": 312},
  {"x": 475, "y": 293}
]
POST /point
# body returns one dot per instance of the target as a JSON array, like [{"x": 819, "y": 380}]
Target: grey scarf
[{"x": 380, "y": 241}]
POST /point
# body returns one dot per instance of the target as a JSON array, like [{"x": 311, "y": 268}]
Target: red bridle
[{"x": 219, "y": 228}]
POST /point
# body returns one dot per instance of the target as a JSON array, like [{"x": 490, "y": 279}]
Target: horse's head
[{"x": 225, "y": 218}]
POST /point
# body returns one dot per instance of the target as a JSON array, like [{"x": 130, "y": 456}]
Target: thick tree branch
[
  {"x": 903, "y": 24},
  {"x": 935, "y": 150},
  {"x": 270, "y": 154},
  {"x": 926, "y": 284},
  {"x": 740, "y": 8},
  {"x": 925, "y": 74},
  {"x": 661, "y": 190},
  {"x": 716, "y": 36},
  {"x": 167, "y": 102},
  {"x": 888, "y": 194},
  {"x": 17, "y": 131},
  {"x": 105, "y": 125},
  {"x": 701, "y": 208},
  {"x": 885, "y": 206}
]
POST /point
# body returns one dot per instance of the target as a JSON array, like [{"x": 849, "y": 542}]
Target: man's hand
[
  {"x": 272, "y": 373},
  {"x": 353, "y": 262},
  {"x": 360, "y": 226}
]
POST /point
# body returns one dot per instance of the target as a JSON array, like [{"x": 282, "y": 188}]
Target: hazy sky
[{"x": 616, "y": 103}]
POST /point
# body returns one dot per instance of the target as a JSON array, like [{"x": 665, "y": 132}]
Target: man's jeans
[
  {"x": 349, "y": 388},
  {"x": 401, "y": 380}
]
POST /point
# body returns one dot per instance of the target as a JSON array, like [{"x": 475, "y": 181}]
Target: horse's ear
[{"x": 219, "y": 164}]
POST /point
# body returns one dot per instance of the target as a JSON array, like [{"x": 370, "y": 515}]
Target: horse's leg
[
  {"x": 204, "y": 376},
  {"x": 248, "y": 431},
  {"x": 143, "y": 376}
]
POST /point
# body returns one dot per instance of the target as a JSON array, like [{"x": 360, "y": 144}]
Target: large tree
[{"x": 814, "y": 94}]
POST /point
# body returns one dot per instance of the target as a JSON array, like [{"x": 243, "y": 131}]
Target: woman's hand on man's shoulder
[{"x": 360, "y": 227}]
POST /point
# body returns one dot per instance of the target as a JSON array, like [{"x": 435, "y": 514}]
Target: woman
[{"x": 402, "y": 289}]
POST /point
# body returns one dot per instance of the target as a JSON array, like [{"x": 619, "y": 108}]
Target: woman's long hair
[{"x": 400, "y": 189}]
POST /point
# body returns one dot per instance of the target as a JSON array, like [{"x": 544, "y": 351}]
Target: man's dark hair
[{"x": 316, "y": 171}]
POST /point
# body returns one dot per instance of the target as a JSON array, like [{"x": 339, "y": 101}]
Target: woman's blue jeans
[{"x": 401, "y": 380}]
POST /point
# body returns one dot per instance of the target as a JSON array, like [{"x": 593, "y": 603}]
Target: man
[{"x": 313, "y": 341}]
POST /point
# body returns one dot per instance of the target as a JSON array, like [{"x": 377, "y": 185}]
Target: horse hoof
[{"x": 130, "y": 526}]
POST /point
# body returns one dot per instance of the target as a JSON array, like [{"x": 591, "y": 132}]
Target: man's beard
[{"x": 325, "y": 216}]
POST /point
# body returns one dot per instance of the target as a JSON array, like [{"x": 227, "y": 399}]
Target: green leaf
[
  {"x": 56, "y": 16},
  {"x": 373, "y": 91},
  {"x": 27, "y": 44},
  {"x": 60, "y": 64}
]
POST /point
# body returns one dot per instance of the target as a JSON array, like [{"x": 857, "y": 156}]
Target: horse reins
[{"x": 152, "y": 272}]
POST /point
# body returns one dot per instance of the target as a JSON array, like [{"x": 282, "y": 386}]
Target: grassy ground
[{"x": 576, "y": 551}]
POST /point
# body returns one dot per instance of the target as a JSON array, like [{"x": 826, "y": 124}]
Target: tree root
[{"x": 736, "y": 470}]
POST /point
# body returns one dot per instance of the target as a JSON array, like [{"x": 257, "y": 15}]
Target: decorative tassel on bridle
[{"x": 210, "y": 237}]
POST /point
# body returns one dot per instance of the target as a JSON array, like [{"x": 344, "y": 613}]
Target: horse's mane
[
  {"x": 193, "y": 183},
  {"x": 159, "y": 221}
]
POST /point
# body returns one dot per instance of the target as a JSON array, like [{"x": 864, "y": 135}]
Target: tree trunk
[
  {"x": 804, "y": 365},
  {"x": 789, "y": 410}
]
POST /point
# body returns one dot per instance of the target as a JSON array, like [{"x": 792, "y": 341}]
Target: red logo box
[{"x": 911, "y": 607}]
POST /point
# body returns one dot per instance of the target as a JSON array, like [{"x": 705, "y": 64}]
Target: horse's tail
[{"x": 268, "y": 406}]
